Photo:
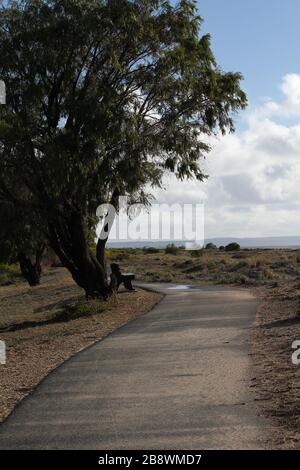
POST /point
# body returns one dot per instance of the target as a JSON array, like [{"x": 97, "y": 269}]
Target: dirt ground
[
  {"x": 275, "y": 379},
  {"x": 44, "y": 326},
  {"x": 273, "y": 276}
]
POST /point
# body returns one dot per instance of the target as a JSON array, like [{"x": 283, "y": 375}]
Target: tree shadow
[
  {"x": 62, "y": 316},
  {"x": 54, "y": 305},
  {"x": 284, "y": 323}
]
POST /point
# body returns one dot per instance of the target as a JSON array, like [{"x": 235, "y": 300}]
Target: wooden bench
[{"x": 118, "y": 278}]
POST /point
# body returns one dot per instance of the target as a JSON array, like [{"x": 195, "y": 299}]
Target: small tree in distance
[
  {"x": 210, "y": 246},
  {"x": 103, "y": 97},
  {"x": 233, "y": 247},
  {"x": 171, "y": 249}
]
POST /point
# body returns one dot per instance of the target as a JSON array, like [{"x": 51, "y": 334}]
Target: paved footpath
[{"x": 176, "y": 378}]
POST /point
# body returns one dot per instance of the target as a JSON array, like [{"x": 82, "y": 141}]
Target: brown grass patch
[{"x": 277, "y": 380}]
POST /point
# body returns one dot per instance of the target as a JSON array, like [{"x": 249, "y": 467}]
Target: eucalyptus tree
[
  {"x": 103, "y": 98},
  {"x": 22, "y": 240}
]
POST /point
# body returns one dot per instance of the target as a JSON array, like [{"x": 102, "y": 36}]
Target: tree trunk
[
  {"x": 32, "y": 271},
  {"x": 68, "y": 240}
]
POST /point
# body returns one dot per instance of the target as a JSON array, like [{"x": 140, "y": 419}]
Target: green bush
[
  {"x": 150, "y": 250},
  {"x": 211, "y": 246},
  {"x": 233, "y": 247},
  {"x": 9, "y": 273}
]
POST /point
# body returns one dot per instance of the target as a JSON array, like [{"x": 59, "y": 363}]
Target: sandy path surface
[{"x": 178, "y": 377}]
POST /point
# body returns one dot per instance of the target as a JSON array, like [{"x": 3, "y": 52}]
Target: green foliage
[
  {"x": 9, "y": 273},
  {"x": 104, "y": 96},
  {"x": 150, "y": 250},
  {"x": 233, "y": 247},
  {"x": 211, "y": 246},
  {"x": 20, "y": 231}
]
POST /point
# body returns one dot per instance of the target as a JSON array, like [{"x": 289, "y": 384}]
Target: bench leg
[{"x": 128, "y": 284}]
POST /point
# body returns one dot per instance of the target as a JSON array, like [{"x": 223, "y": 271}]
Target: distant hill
[{"x": 262, "y": 242}]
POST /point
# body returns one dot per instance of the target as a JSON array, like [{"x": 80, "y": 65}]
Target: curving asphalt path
[{"x": 176, "y": 378}]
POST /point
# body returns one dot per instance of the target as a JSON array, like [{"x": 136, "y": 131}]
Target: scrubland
[{"x": 45, "y": 325}]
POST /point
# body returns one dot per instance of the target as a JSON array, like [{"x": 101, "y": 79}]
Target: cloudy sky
[{"x": 254, "y": 184}]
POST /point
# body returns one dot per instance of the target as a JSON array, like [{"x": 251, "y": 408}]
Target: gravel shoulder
[{"x": 276, "y": 380}]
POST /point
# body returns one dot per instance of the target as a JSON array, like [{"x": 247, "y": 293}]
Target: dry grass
[
  {"x": 61, "y": 322},
  {"x": 277, "y": 380},
  {"x": 44, "y": 326},
  {"x": 9, "y": 273},
  {"x": 247, "y": 267}
]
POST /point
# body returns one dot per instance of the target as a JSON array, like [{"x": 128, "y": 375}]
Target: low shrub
[
  {"x": 233, "y": 247},
  {"x": 268, "y": 273},
  {"x": 83, "y": 308},
  {"x": 171, "y": 249},
  {"x": 150, "y": 250},
  {"x": 9, "y": 273},
  {"x": 211, "y": 246},
  {"x": 197, "y": 253}
]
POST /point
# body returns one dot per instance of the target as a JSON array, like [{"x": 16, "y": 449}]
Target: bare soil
[
  {"x": 275, "y": 378},
  {"x": 41, "y": 330},
  {"x": 273, "y": 276}
]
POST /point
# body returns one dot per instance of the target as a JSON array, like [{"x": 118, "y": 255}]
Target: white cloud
[
  {"x": 290, "y": 105},
  {"x": 254, "y": 188}
]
